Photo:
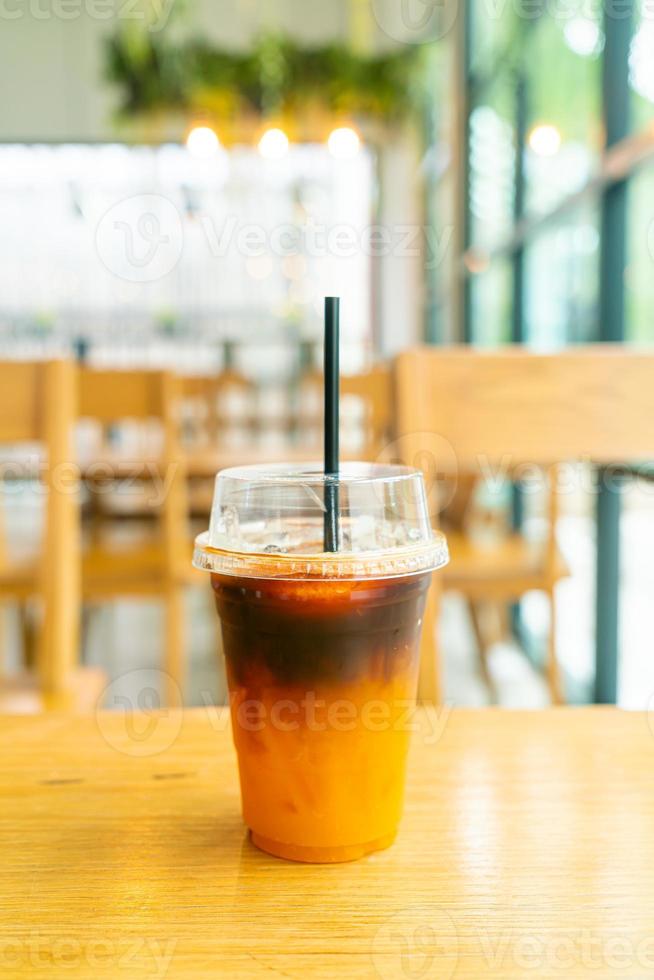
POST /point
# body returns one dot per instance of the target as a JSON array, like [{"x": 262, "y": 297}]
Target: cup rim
[
  {"x": 350, "y": 472},
  {"x": 427, "y": 556}
]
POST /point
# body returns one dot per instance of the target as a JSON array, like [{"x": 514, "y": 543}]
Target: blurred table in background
[
  {"x": 527, "y": 849},
  {"x": 200, "y": 463}
]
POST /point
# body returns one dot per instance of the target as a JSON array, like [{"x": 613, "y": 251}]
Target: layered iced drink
[{"x": 322, "y": 657}]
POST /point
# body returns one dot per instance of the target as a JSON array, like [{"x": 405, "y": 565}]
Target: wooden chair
[
  {"x": 38, "y": 405},
  {"x": 375, "y": 390},
  {"x": 217, "y": 410},
  {"x": 372, "y": 390},
  {"x": 365, "y": 431},
  {"x": 218, "y": 428},
  {"x": 511, "y": 407},
  {"x": 308, "y": 422},
  {"x": 159, "y": 563}
]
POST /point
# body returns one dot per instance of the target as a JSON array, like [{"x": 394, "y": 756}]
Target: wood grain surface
[{"x": 527, "y": 850}]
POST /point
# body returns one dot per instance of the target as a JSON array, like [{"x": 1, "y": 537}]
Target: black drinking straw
[{"x": 332, "y": 372}]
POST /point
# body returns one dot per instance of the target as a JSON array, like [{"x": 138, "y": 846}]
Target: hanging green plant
[{"x": 277, "y": 76}]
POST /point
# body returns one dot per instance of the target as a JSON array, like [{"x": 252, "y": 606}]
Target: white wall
[
  {"x": 399, "y": 294},
  {"x": 51, "y": 79},
  {"x": 51, "y": 66},
  {"x": 52, "y": 90}
]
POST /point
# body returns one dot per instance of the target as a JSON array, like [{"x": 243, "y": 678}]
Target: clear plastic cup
[{"x": 321, "y": 648}]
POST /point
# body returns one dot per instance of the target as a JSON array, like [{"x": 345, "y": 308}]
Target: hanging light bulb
[
  {"x": 545, "y": 140},
  {"x": 273, "y": 145},
  {"x": 583, "y": 36},
  {"x": 344, "y": 143},
  {"x": 202, "y": 142}
]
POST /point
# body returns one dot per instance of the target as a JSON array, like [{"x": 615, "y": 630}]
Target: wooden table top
[{"x": 527, "y": 850}]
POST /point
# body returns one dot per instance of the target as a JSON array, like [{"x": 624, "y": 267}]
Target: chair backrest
[
  {"x": 219, "y": 408},
  {"x": 113, "y": 396},
  {"x": 515, "y": 406},
  {"x": 364, "y": 434},
  {"x": 38, "y": 404},
  {"x": 110, "y": 397},
  {"x": 373, "y": 389},
  {"x": 308, "y": 410}
]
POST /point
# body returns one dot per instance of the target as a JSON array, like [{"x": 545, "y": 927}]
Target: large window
[
  {"x": 561, "y": 281},
  {"x": 491, "y": 140},
  {"x": 558, "y": 132},
  {"x": 641, "y": 67},
  {"x": 534, "y": 143},
  {"x": 639, "y": 271},
  {"x": 490, "y": 300}
]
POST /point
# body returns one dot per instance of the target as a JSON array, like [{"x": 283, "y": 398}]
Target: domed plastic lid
[{"x": 268, "y": 522}]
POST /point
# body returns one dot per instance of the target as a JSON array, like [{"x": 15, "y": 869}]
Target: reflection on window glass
[
  {"x": 562, "y": 282},
  {"x": 441, "y": 266},
  {"x": 492, "y": 167},
  {"x": 495, "y": 35},
  {"x": 564, "y": 135},
  {"x": 639, "y": 274},
  {"x": 440, "y": 199},
  {"x": 490, "y": 301},
  {"x": 641, "y": 66}
]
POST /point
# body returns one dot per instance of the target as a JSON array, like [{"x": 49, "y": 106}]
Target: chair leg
[
  {"x": 174, "y": 646},
  {"x": 429, "y": 681},
  {"x": 3, "y": 639},
  {"x": 476, "y": 616},
  {"x": 28, "y": 635},
  {"x": 86, "y": 618},
  {"x": 553, "y": 673},
  {"x": 502, "y": 611}
]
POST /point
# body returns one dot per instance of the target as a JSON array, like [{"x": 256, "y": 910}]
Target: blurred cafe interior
[{"x": 181, "y": 185}]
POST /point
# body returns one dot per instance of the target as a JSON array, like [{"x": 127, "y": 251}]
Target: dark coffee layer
[{"x": 308, "y": 633}]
